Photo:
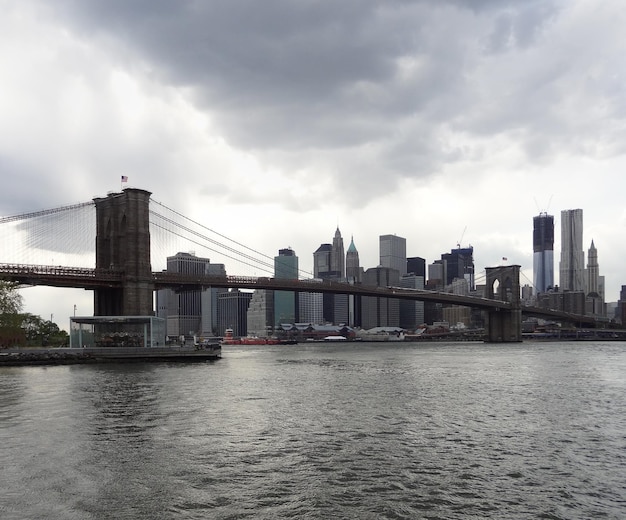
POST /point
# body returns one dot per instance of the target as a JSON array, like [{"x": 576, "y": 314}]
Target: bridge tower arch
[
  {"x": 504, "y": 324},
  {"x": 123, "y": 243}
]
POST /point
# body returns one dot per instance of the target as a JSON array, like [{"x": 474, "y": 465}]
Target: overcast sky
[{"x": 274, "y": 122}]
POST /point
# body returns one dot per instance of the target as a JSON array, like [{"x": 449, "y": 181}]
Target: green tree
[
  {"x": 10, "y": 320},
  {"x": 10, "y": 298},
  {"x": 42, "y": 333}
]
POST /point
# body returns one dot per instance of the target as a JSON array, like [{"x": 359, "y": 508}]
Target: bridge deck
[{"x": 90, "y": 278}]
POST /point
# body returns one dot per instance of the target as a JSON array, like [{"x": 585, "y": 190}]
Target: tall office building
[
  {"x": 354, "y": 274},
  {"x": 329, "y": 264},
  {"x": 393, "y": 253},
  {"x": 593, "y": 271},
  {"x": 543, "y": 252},
  {"x": 417, "y": 266},
  {"x": 411, "y": 311},
  {"x": 353, "y": 268},
  {"x": 620, "y": 312},
  {"x": 321, "y": 261},
  {"x": 337, "y": 258},
  {"x": 208, "y": 300},
  {"x": 233, "y": 311},
  {"x": 190, "y": 312},
  {"x": 285, "y": 302},
  {"x": 459, "y": 264},
  {"x": 376, "y": 311},
  {"x": 594, "y": 284},
  {"x": 311, "y": 307},
  {"x": 572, "y": 265}
]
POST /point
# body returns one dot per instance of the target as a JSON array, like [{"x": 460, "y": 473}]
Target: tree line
[{"x": 25, "y": 329}]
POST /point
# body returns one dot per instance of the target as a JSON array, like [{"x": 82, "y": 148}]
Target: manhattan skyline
[{"x": 277, "y": 124}]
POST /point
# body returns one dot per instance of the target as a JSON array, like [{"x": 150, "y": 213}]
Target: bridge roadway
[{"x": 90, "y": 278}]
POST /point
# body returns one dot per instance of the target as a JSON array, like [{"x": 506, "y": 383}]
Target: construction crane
[{"x": 458, "y": 244}]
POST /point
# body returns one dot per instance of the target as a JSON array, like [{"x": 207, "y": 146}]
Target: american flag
[{"x": 124, "y": 178}]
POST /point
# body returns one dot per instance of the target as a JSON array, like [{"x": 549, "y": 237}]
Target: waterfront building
[
  {"x": 393, "y": 253},
  {"x": 260, "y": 315},
  {"x": 457, "y": 315},
  {"x": 233, "y": 311},
  {"x": 571, "y": 266},
  {"x": 568, "y": 301},
  {"x": 285, "y": 302},
  {"x": 380, "y": 312},
  {"x": 311, "y": 306},
  {"x": 543, "y": 252}
]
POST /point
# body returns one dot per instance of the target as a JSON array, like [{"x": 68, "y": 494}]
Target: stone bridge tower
[
  {"x": 123, "y": 243},
  {"x": 505, "y": 324}
]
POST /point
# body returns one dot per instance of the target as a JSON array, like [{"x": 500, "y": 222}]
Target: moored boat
[{"x": 229, "y": 339}]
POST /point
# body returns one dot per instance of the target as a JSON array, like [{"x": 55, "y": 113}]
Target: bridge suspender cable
[
  {"x": 45, "y": 212},
  {"x": 260, "y": 263}
]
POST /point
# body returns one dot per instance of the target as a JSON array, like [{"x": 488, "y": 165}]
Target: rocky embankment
[{"x": 43, "y": 357}]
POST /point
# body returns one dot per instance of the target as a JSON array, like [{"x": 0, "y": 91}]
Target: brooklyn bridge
[{"x": 130, "y": 227}]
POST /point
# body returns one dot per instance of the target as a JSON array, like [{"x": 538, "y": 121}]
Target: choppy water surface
[{"x": 322, "y": 431}]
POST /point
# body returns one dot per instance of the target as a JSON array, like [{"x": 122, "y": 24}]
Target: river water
[{"x": 367, "y": 431}]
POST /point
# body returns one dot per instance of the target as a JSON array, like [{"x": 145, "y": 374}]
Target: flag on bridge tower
[{"x": 124, "y": 178}]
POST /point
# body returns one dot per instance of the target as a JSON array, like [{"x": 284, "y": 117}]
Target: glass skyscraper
[
  {"x": 543, "y": 252},
  {"x": 285, "y": 302},
  {"x": 393, "y": 252}
]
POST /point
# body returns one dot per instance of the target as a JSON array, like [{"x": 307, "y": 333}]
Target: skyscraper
[
  {"x": 322, "y": 262},
  {"x": 377, "y": 311},
  {"x": 337, "y": 258},
  {"x": 354, "y": 274},
  {"x": 233, "y": 311},
  {"x": 353, "y": 268},
  {"x": 459, "y": 264},
  {"x": 572, "y": 265},
  {"x": 594, "y": 284},
  {"x": 593, "y": 271},
  {"x": 543, "y": 252},
  {"x": 393, "y": 252},
  {"x": 285, "y": 304},
  {"x": 190, "y": 312}
]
